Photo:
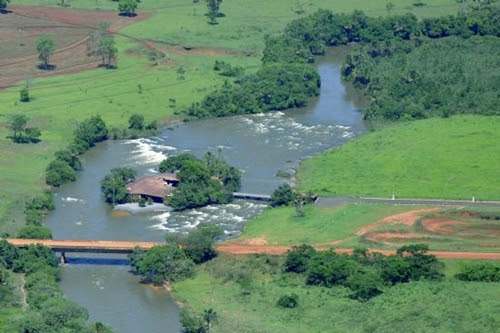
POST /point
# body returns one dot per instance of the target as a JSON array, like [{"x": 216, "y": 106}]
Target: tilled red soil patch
[{"x": 21, "y": 28}]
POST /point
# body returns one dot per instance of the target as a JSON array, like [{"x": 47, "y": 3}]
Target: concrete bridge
[
  {"x": 251, "y": 196},
  {"x": 89, "y": 246}
]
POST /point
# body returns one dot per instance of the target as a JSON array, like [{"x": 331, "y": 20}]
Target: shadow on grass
[
  {"x": 125, "y": 14},
  {"x": 47, "y": 67}
]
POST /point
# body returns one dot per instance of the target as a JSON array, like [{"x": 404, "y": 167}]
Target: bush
[
  {"x": 88, "y": 133},
  {"x": 136, "y": 122},
  {"x": 71, "y": 159},
  {"x": 8, "y": 253},
  {"x": 35, "y": 232},
  {"x": 283, "y": 195},
  {"x": 24, "y": 95},
  {"x": 58, "y": 173},
  {"x": 198, "y": 243},
  {"x": 298, "y": 258},
  {"x": 483, "y": 271},
  {"x": 165, "y": 263},
  {"x": 34, "y": 258},
  {"x": 288, "y": 301},
  {"x": 114, "y": 184}
]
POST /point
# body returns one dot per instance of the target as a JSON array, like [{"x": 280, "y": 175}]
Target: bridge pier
[{"x": 63, "y": 258}]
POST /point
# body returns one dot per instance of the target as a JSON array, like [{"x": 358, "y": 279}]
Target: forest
[{"x": 387, "y": 46}]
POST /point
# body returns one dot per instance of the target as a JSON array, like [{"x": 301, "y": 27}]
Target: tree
[
  {"x": 213, "y": 10},
  {"x": 107, "y": 50},
  {"x": 58, "y": 173},
  {"x": 3, "y": 4},
  {"x": 88, "y": 133},
  {"x": 101, "y": 44},
  {"x": 35, "y": 232},
  {"x": 365, "y": 284},
  {"x": 288, "y": 301},
  {"x": 192, "y": 323},
  {"x": 298, "y": 258},
  {"x": 175, "y": 163},
  {"x": 71, "y": 159},
  {"x": 389, "y": 7},
  {"x": 24, "y": 94},
  {"x": 17, "y": 125},
  {"x": 482, "y": 271},
  {"x": 422, "y": 265},
  {"x": 136, "y": 121},
  {"x": 34, "y": 258},
  {"x": 8, "y": 253},
  {"x": 127, "y": 7},
  {"x": 198, "y": 243},
  {"x": 283, "y": 195},
  {"x": 113, "y": 185},
  {"x": 210, "y": 317},
  {"x": 45, "y": 47},
  {"x": 165, "y": 263}
]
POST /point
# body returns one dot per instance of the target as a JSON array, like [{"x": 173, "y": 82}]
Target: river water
[{"x": 259, "y": 145}]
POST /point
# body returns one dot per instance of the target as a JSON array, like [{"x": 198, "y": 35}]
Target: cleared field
[
  {"x": 377, "y": 226},
  {"x": 454, "y": 158}
]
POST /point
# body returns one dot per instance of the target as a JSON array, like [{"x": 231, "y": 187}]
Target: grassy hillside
[
  {"x": 437, "y": 158},
  {"x": 448, "y": 306},
  {"x": 471, "y": 229}
]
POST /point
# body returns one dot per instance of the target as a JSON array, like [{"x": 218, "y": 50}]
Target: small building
[{"x": 156, "y": 187}]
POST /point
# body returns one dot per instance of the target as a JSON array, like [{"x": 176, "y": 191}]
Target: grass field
[
  {"x": 281, "y": 226},
  {"x": 448, "y": 306},
  {"x": 59, "y": 102},
  {"x": 467, "y": 229},
  {"x": 437, "y": 158}
]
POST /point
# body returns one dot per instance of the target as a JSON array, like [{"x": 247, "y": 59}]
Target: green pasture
[
  {"x": 455, "y": 158},
  {"x": 447, "y": 306},
  {"x": 337, "y": 227}
]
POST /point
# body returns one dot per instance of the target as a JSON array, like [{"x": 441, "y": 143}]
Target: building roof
[{"x": 155, "y": 186}]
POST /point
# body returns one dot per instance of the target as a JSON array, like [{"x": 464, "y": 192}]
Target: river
[{"x": 259, "y": 145}]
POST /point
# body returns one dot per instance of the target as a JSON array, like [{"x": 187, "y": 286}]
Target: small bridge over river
[
  {"x": 89, "y": 246},
  {"x": 252, "y": 196}
]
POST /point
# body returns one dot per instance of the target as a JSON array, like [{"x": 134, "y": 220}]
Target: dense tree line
[
  {"x": 426, "y": 78},
  {"x": 66, "y": 162},
  {"x": 274, "y": 87},
  {"x": 210, "y": 180},
  {"x": 483, "y": 271},
  {"x": 286, "y": 80},
  {"x": 48, "y": 311},
  {"x": 364, "y": 273}
]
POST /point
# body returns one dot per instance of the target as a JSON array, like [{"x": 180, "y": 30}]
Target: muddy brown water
[{"x": 260, "y": 145}]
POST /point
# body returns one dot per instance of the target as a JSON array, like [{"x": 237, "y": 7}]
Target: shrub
[
  {"x": 483, "y": 271},
  {"x": 298, "y": 258},
  {"x": 58, "y": 173},
  {"x": 288, "y": 301},
  {"x": 283, "y": 195},
  {"x": 35, "y": 232}
]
